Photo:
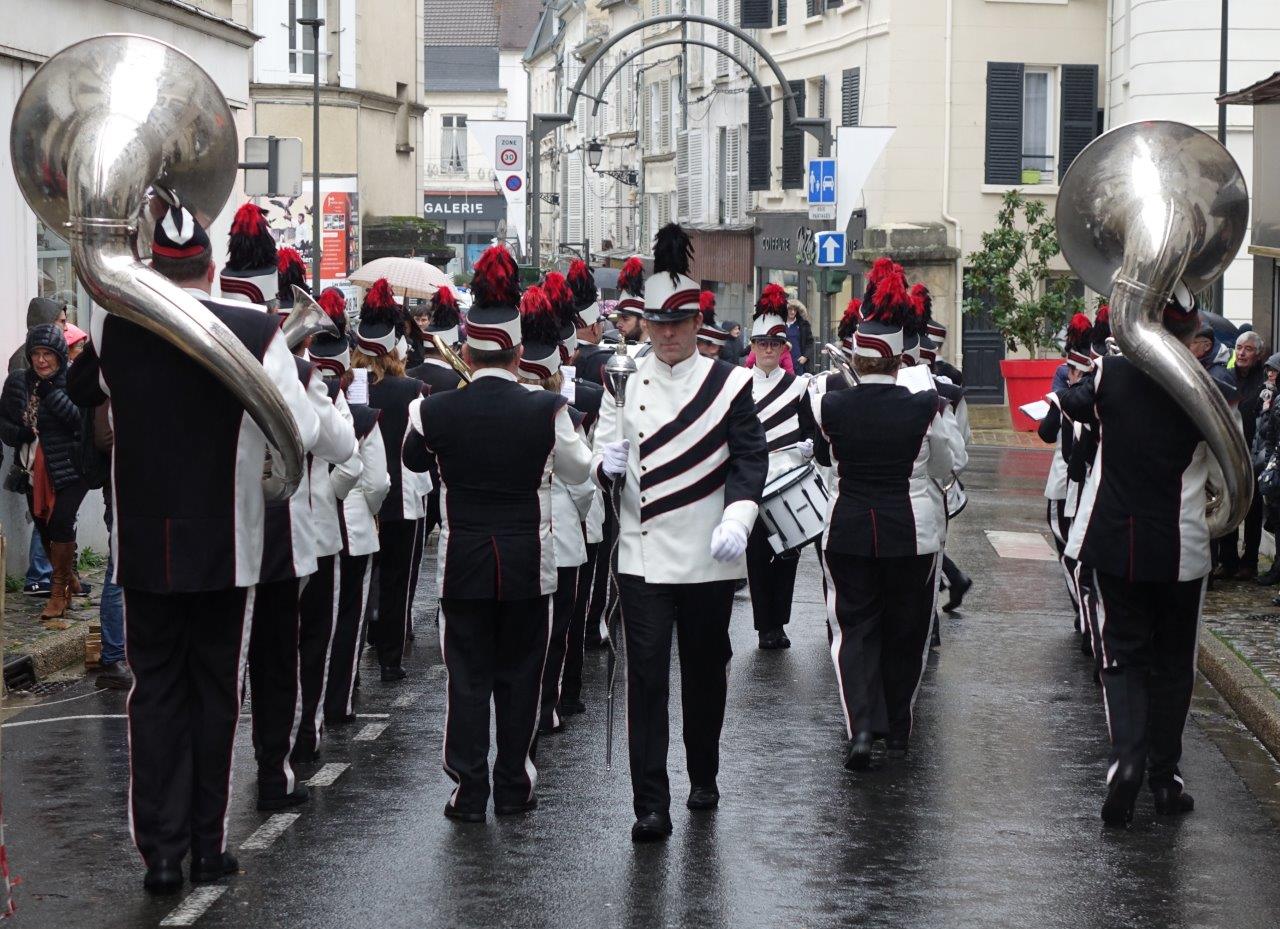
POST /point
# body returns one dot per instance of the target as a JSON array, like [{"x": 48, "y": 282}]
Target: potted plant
[{"x": 1030, "y": 306}]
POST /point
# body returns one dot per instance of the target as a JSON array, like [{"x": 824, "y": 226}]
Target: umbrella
[
  {"x": 408, "y": 277},
  {"x": 1224, "y": 329}
]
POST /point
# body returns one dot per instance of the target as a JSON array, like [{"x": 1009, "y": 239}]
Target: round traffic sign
[
  {"x": 514, "y": 183},
  {"x": 508, "y": 156}
]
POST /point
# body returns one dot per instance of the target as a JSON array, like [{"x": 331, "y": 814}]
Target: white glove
[
  {"x": 806, "y": 448},
  {"x": 615, "y": 455},
  {"x": 728, "y": 541}
]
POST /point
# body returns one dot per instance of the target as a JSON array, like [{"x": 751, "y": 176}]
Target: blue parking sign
[
  {"x": 829, "y": 249},
  {"x": 822, "y": 181}
]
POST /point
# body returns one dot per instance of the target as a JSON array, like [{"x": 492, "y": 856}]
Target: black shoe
[
  {"x": 572, "y": 707},
  {"x": 463, "y": 816},
  {"x": 549, "y": 726},
  {"x": 771, "y": 639},
  {"x": 1122, "y": 793},
  {"x": 269, "y": 803},
  {"x": 38, "y": 589},
  {"x": 896, "y": 748},
  {"x": 858, "y": 755},
  {"x": 651, "y": 827},
  {"x": 215, "y": 867},
  {"x": 703, "y": 798},
  {"x": 391, "y": 675},
  {"x": 515, "y": 809},
  {"x": 115, "y": 675},
  {"x": 1271, "y": 577},
  {"x": 956, "y": 593},
  {"x": 163, "y": 877},
  {"x": 1173, "y": 801}
]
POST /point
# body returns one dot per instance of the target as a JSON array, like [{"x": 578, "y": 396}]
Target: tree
[{"x": 1010, "y": 274}]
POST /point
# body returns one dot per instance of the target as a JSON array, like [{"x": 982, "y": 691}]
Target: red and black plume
[
  {"x": 707, "y": 306},
  {"x": 672, "y": 251},
  {"x": 379, "y": 304},
  {"x": 290, "y": 271},
  {"x": 496, "y": 281},
  {"x": 1079, "y": 333},
  {"x": 334, "y": 303},
  {"x": 250, "y": 245},
  {"x": 538, "y": 322},
  {"x": 886, "y": 299},
  {"x": 849, "y": 321},
  {"x": 560, "y": 296},
  {"x": 920, "y": 295},
  {"x": 444, "y": 309},
  {"x": 773, "y": 301},
  {"x": 631, "y": 277},
  {"x": 1102, "y": 325},
  {"x": 583, "y": 284}
]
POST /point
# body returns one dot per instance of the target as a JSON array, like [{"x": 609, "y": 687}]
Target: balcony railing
[{"x": 449, "y": 168}]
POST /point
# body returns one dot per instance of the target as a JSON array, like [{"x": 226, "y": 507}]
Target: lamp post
[
  {"x": 316, "y": 207},
  {"x": 595, "y": 152}
]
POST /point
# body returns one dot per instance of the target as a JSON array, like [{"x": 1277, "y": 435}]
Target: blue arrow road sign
[
  {"x": 830, "y": 249},
  {"x": 822, "y": 180}
]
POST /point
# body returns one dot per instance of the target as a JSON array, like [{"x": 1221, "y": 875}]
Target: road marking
[
  {"x": 370, "y": 732},
  {"x": 268, "y": 832},
  {"x": 404, "y": 700},
  {"x": 63, "y": 719},
  {"x": 1030, "y": 546},
  {"x": 192, "y": 908},
  {"x": 328, "y": 774}
]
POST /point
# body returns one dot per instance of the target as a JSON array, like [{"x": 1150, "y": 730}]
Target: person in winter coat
[
  {"x": 39, "y": 421},
  {"x": 800, "y": 336},
  {"x": 1249, "y": 378},
  {"x": 40, "y": 310},
  {"x": 1266, "y": 442}
]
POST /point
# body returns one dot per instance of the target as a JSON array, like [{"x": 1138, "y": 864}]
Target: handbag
[
  {"x": 18, "y": 480},
  {"x": 1269, "y": 480}
]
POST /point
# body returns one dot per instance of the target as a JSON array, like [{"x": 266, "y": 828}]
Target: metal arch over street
[{"x": 608, "y": 79}]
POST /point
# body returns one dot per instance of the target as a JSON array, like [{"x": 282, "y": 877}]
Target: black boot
[
  {"x": 1272, "y": 575},
  {"x": 205, "y": 870},
  {"x": 857, "y": 756},
  {"x": 1173, "y": 800},
  {"x": 1122, "y": 792},
  {"x": 164, "y": 876},
  {"x": 956, "y": 593},
  {"x": 651, "y": 827}
]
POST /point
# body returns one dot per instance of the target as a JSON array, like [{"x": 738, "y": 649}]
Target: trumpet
[
  {"x": 306, "y": 319},
  {"x": 451, "y": 358},
  {"x": 832, "y": 351}
]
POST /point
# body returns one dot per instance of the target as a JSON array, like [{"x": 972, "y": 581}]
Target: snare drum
[{"x": 794, "y": 508}]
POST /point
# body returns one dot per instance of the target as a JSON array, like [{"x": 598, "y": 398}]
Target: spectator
[
  {"x": 731, "y": 350},
  {"x": 1213, "y": 357},
  {"x": 77, "y": 339},
  {"x": 1250, "y": 379},
  {"x": 799, "y": 336},
  {"x": 1266, "y": 443},
  {"x": 40, "y": 422},
  {"x": 40, "y": 310}
]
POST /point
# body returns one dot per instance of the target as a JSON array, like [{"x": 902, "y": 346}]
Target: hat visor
[{"x": 669, "y": 316}]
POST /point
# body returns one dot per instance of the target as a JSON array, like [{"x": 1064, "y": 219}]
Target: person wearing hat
[
  {"x": 787, "y": 420},
  {"x": 252, "y": 272},
  {"x": 692, "y": 457},
  {"x": 1141, "y": 528},
  {"x": 446, "y": 319},
  {"x": 391, "y": 392},
  {"x": 629, "y": 310},
  {"x": 1061, "y": 492},
  {"x": 590, "y": 357},
  {"x": 711, "y": 338},
  {"x": 188, "y": 548},
  {"x": 1266, "y": 442},
  {"x": 497, "y": 446},
  {"x": 891, "y": 449}
]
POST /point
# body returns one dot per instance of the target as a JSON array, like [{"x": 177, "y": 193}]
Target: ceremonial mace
[{"x": 617, "y": 371}]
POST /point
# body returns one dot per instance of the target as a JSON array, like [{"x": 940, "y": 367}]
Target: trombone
[{"x": 452, "y": 358}]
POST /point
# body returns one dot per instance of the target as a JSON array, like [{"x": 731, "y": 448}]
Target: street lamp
[
  {"x": 315, "y": 25},
  {"x": 595, "y": 152}
]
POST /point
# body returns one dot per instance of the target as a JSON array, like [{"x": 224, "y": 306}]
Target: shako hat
[
  {"x": 251, "y": 272},
  {"x": 290, "y": 273},
  {"x": 177, "y": 235},
  {"x": 770, "y": 318},
  {"x": 564, "y": 306},
  {"x": 670, "y": 295},
  {"x": 493, "y": 322},
  {"x": 379, "y": 325},
  {"x": 708, "y": 330},
  {"x": 1079, "y": 343},
  {"x": 540, "y": 331},
  {"x": 586, "y": 295},
  {"x": 848, "y": 323},
  {"x": 884, "y": 308},
  {"x": 445, "y": 316},
  {"x": 631, "y": 283}
]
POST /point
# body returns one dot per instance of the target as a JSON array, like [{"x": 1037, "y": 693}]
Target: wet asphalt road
[{"x": 992, "y": 821}]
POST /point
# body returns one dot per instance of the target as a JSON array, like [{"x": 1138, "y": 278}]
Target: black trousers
[
  {"x": 274, "y": 684},
  {"x": 1148, "y": 655},
  {"x": 699, "y": 614},
  {"x": 318, "y": 609},
  {"x": 354, "y": 573},
  {"x": 419, "y": 547},
  {"x": 187, "y": 655},
  {"x": 1060, "y": 529},
  {"x": 1228, "y": 546},
  {"x": 600, "y": 603},
  {"x": 883, "y": 610},
  {"x": 493, "y": 650},
  {"x": 558, "y": 649},
  {"x": 395, "y": 573},
  {"x": 772, "y": 579},
  {"x": 61, "y": 524},
  {"x": 571, "y": 680}
]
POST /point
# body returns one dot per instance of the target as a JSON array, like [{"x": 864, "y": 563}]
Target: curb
[{"x": 1248, "y": 695}]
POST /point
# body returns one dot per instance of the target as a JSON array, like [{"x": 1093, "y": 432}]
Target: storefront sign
[
  {"x": 784, "y": 241},
  {"x": 490, "y": 208}
]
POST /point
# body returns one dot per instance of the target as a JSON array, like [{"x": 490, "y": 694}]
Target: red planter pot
[{"x": 1027, "y": 380}]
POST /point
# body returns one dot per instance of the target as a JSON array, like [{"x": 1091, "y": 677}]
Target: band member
[
  {"x": 691, "y": 454},
  {"x": 251, "y": 274},
  {"x": 1062, "y": 493},
  {"x": 1101, "y": 332},
  {"x": 780, "y": 400},
  {"x": 391, "y": 392},
  {"x": 187, "y": 549},
  {"x": 434, "y": 371},
  {"x": 629, "y": 312},
  {"x": 358, "y": 505},
  {"x": 890, "y": 448},
  {"x": 1142, "y": 529},
  {"x": 497, "y": 446},
  {"x": 289, "y": 549},
  {"x": 590, "y": 357},
  {"x": 711, "y": 338}
]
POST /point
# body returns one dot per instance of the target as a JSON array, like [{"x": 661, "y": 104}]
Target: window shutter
[
  {"x": 664, "y": 211},
  {"x": 1004, "y": 123},
  {"x": 822, "y": 97},
  {"x": 694, "y": 174},
  {"x": 793, "y": 142},
  {"x": 782, "y": 12},
  {"x": 646, "y": 135},
  {"x": 850, "y": 96},
  {"x": 664, "y": 131},
  {"x": 812, "y": 7},
  {"x": 722, "y": 37},
  {"x": 755, "y": 14},
  {"x": 1079, "y": 113},
  {"x": 733, "y": 175},
  {"x": 758, "y": 140},
  {"x": 682, "y": 174},
  {"x": 832, "y": 4},
  {"x": 573, "y": 208}
]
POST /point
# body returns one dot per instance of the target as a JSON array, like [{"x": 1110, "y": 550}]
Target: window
[
  {"x": 1037, "y": 120},
  {"x": 1034, "y": 128},
  {"x": 729, "y": 176},
  {"x": 782, "y": 12},
  {"x": 453, "y": 144},
  {"x": 755, "y": 14},
  {"x": 722, "y": 38},
  {"x": 656, "y": 142},
  {"x": 793, "y": 168},
  {"x": 759, "y": 141},
  {"x": 850, "y": 96},
  {"x": 302, "y": 50},
  {"x": 812, "y": 7}
]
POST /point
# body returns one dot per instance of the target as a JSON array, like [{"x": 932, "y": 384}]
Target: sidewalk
[{"x": 31, "y": 652}]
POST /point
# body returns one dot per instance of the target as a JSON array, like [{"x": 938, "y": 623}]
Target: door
[{"x": 983, "y": 351}]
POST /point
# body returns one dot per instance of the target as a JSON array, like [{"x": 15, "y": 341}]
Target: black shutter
[
  {"x": 812, "y": 7},
  {"x": 1004, "y": 123},
  {"x": 822, "y": 97},
  {"x": 793, "y": 168},
  {"x": 755, "y": 14},
  {"x": 850, "y": 96},
  {"x": 1079, "y": 113},
  {"x": 758, "y": 140},
  {"x": 782, "y": 12},
  {"x": 832, "y": 4}
]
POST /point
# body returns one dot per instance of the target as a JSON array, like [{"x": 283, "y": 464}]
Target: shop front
[
  {"x": 722, "y": 264},
  {"x": 471, "y": 222}
]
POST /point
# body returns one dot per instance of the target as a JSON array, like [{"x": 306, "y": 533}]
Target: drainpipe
[
  {"x": 1106, "y": 68},
  {"x": 958, "y": 323}
]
